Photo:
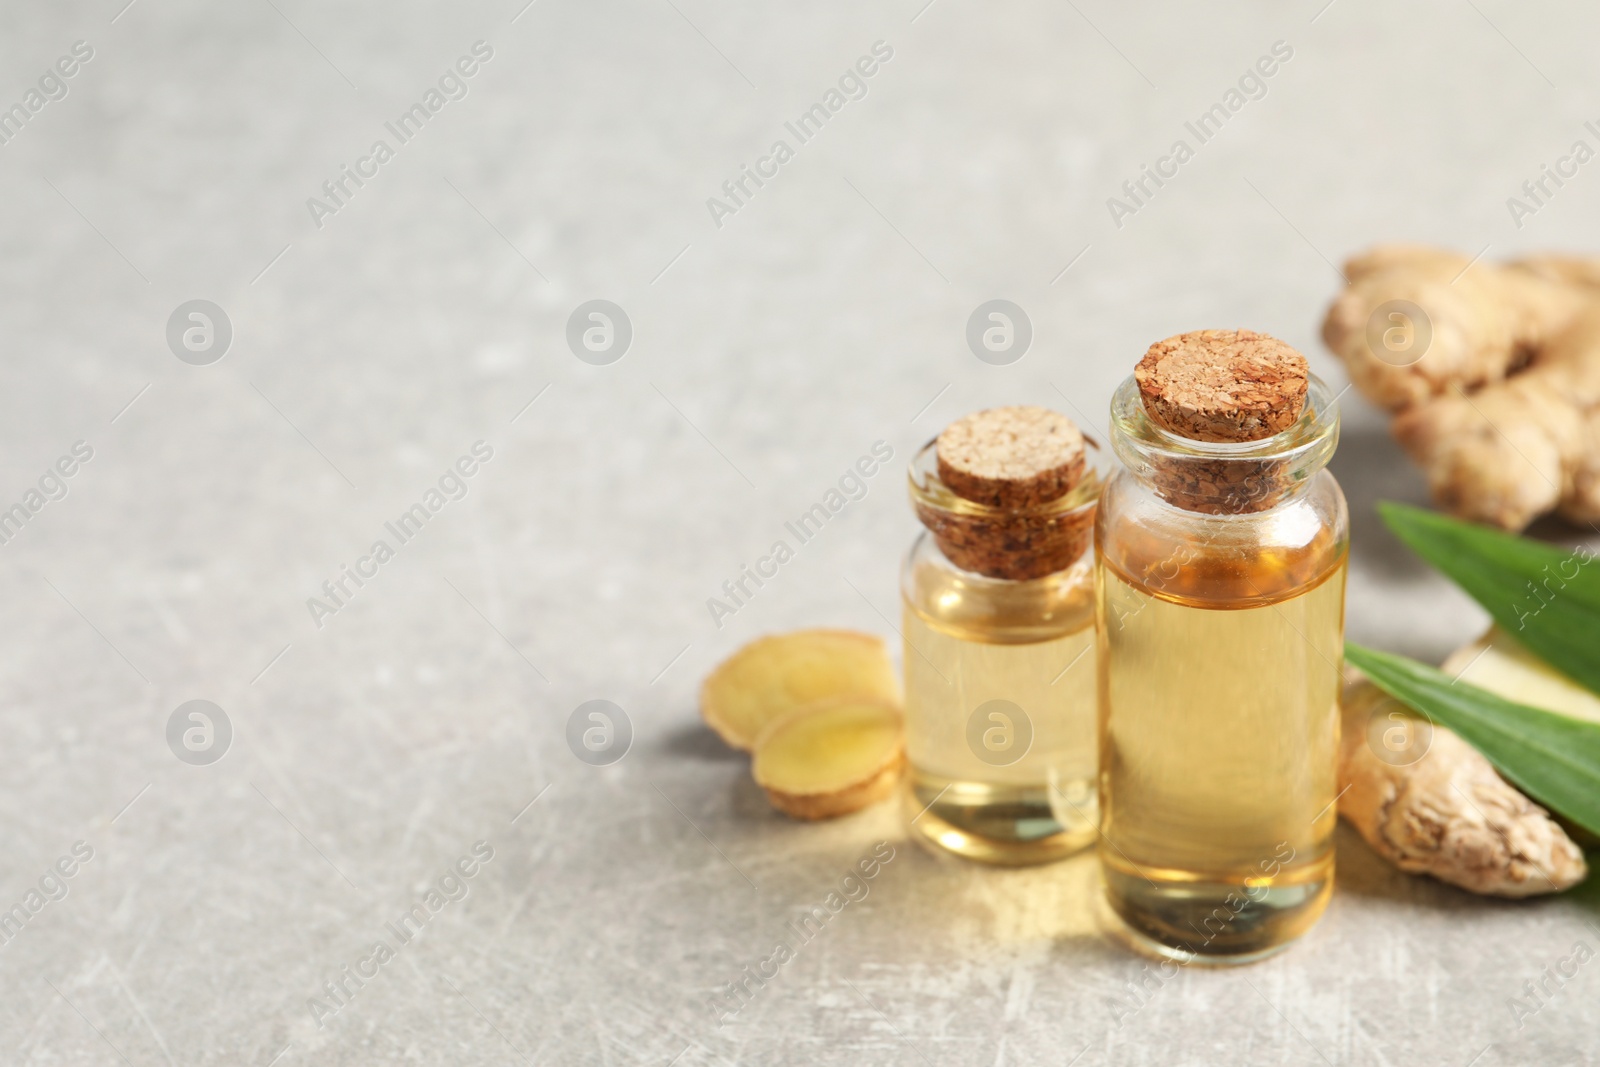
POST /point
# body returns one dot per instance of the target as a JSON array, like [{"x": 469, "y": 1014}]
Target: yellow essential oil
[
  {"x": 1219, "y": 750},
  {"x": 1000, "y": 714}
]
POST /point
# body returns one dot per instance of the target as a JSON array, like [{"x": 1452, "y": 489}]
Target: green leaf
[
  {"x": 1553, "y": 758},
  {"x": 1546, "y": 596}
]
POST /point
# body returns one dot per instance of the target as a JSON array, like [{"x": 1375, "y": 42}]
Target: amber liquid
[
  {"x": 1000, "y": 728},
  {"x": 1219, "y": 677}
]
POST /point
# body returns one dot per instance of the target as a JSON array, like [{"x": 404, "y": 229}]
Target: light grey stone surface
[{"x": 371, "y": 752}]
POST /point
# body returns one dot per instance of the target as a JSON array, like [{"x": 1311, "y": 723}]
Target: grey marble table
[{"x": 382, "y": 321}]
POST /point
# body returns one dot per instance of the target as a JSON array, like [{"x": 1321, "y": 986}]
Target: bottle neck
[
  {"x": 1013, "y": 544},
  {"x": 1225, "y": 478}
]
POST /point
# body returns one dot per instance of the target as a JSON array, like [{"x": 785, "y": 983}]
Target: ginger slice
[
  {"x": 1499, "y": 663},
  {"x": 1432, "y": 804},
  {"x": 773, "y": 676},
  {"x": 831, "y": 758}
]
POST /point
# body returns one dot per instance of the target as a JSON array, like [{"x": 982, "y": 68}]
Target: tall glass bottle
[
  {"x": 998, "y": 609},
  {"x": 1220, "y": 614}
]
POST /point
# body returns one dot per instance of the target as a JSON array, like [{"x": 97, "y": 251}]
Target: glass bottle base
[
  {"x": 1198, "y": 917},
  {"x": 1002, "y": 824}
]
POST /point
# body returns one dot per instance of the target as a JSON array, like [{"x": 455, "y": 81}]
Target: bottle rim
[
  {"x": 1306, "y": 445},
  {"x": 1225, "y": 478}
]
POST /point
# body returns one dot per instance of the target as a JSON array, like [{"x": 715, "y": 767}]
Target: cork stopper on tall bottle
[
  {"x": 1016, "y": 464},
  {"x": 1222, "y": 386}
]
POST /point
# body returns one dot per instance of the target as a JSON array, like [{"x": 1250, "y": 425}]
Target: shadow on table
[
  {"x": 699, "y": 743},
  {"x": 1371, "y": 468},
  {"x": 1364, "y": 873}
]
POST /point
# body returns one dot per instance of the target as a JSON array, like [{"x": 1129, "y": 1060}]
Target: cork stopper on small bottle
[
  {"x": 1014, "y": 463},
  {"x": 1223, "y": 385},
  {"x": 1011, "y": 457}
]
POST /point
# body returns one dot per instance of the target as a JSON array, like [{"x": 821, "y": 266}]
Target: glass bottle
[
  {"x": 998, "y": 609},
  {"x": 1220, "y": 616}
]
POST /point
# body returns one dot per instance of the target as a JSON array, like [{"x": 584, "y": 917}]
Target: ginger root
[
  {"x": 1430, "y": 803},
  {"x": 1492, "y": 371},
  {"x": 831, "y": 759},
  {"x": 775, "y": 675}
]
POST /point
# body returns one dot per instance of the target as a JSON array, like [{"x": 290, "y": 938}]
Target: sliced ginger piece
[
  {"x": 776, "y": 675},
  {"x": 1502, "y": 665},
  {"x": 831, "y": 758}
]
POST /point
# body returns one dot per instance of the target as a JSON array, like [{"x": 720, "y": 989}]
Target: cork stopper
[
  {"x": 1016, "y": 464},
  {"x": 1223, "y": 385},
  {"x": 1011, "y": 457}
]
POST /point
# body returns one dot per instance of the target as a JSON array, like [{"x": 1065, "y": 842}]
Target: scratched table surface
[{"x": 307, "y": 417}]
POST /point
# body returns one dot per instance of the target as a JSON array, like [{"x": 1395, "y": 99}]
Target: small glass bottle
[
  {"x": 998, "y": 608},
  {"x": 1220, "y": 614}
]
